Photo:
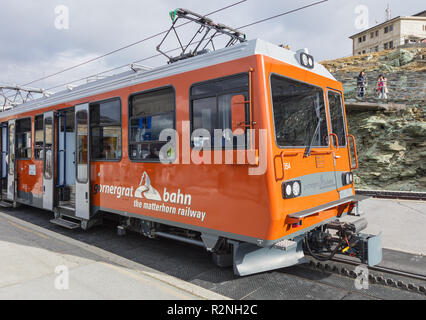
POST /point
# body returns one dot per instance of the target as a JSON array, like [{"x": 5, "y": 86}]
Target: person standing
[{"x": 361, "y": 84}]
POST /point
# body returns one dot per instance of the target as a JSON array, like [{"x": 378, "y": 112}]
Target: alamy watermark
[
  {"x": 62, "y": 17},
  {"x": 62, "y": 280},
  {"x": 201, "y": 147},
  {"x": 361, "y": 281},
  {"x": 362, "y": 17}
]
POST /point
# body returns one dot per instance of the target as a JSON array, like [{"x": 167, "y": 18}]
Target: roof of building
[
  {"x": 129, "y": 78},
  {"x": 420, "y": 15}
]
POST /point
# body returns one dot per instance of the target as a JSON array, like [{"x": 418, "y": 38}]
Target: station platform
[
  {"x": 401, "y": 222},
  {"x": 104, "y": 266},
  {"x": 35, "y": 262}
]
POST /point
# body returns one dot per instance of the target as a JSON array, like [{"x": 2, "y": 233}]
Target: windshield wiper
[
  {"x": 309, "y": 149},
  {"x": 317, "y": 112}
]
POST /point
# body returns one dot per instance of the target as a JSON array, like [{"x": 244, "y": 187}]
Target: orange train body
[{"x": 222, "y": 200}]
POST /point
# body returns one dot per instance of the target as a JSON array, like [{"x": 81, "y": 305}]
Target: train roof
[{"x": 129, "y": 78}]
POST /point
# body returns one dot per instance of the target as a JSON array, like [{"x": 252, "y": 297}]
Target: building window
[
  {"x": 105, "y": 130},
  {"x": 363, "y": 51},
  {"x": 377, "y": 33},
  {"x": 391, "y": 45},
  {"x": 372, "y": 35},
  {"x": 212, "y": 109},
  {"x": 376, "y": 49},
  {"x": 23, "y": 138},
  {"x": 391, "y": 28},
  {"x": 364, "y": 38},
  {"x": 360, "y": 39},
  {"x": 150, "y": 113},
  {"x": 359, "y": 52},
  {"x": 38, "y": 137},
  {"x": 386, "y": 46}
]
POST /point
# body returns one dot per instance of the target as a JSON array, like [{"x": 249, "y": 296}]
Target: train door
[
  {"x": 11, "y": 172},
  {"x": 48, "y": 160},
  {"x": 4, "y": 153},
  {"x": 340, "y": 143},
  {"x": 82, "y": 147}
]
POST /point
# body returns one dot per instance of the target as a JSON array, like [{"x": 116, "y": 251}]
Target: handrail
[
  {"x": 337, "y": 141},
  {"x": 281, "y": 156},
  {"x": 355, "y": 153}
]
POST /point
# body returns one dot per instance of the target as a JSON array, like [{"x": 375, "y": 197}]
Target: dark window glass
[
  {"x": 364, "y": 38},
  {"x": 38, "y": 137},
  {"x": 48, "y": 147},
  {"x": 337, "y": 117},
  {"x": 377, "y": 33},
  {"x": 82, "y": 146},
  {"x": 150, "y": 114},
  {"x": 212, "y": 110},
  {"x": 299, "y": 113},
  {"x": 23, "y": 138},
  {"x": 386, "y": 29},
  {"x": 391, "y": 28},
  {"x": 105, "y": 126},
  {"x": 11, "y": 162}
]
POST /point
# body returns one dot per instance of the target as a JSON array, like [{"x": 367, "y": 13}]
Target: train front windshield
[{"x": 299, "y": 113}]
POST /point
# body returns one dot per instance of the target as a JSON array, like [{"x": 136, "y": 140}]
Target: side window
[
  {"x": 337, "y": 117},
  {"x": 213, "y": 106},
  {"x": 105, "y": 127},
  {"x": 23, "y": 138},
  {"x": 38, "y": 137},
  {"x": 150, "y": 113}
]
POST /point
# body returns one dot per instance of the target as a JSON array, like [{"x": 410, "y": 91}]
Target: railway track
[
  {"x": 384, "y": 194},
  {"x": 404, "y": 280}
]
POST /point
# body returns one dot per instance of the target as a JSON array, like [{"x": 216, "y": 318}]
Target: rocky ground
[{"x": 391, "y": 145}]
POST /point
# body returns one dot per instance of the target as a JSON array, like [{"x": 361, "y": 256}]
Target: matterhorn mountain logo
[{"x": 146, "y": 191}]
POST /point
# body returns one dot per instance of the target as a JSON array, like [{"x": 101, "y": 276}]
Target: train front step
[{"x": 65, "y": 223}]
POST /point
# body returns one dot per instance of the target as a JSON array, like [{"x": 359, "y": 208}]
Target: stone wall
[{"x": 391, "y": 145}]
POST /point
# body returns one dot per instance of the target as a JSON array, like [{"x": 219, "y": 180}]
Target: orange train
[{"x": 158, "y": 149}]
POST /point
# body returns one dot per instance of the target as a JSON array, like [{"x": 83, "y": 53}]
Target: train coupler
[{"x": 344, "y": 238}]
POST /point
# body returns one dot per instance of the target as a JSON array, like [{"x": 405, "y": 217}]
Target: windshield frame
[{"x": 273, "y": 113}]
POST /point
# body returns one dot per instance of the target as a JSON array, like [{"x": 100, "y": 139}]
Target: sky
[{"x": 35, "y": 44}]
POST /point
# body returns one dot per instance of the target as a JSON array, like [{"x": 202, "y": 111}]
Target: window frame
[
  {"x": 34, "y": 138},
  {"x": 129, "y": 120},
  {"x": 118, "y": 98},
  {"x": 273, "y": 117},
  {"x": 204, "y": 96},
  {"x": 16, "y": 140},
  {"x": 329, "y": 89}
]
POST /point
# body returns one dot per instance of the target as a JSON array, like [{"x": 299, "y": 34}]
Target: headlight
[
  {"x": 291, "y": 189},
  {"x": 307, "y": 60},
  {"x": 296, "y": 189},
  {"x": 347, "y": 178}
]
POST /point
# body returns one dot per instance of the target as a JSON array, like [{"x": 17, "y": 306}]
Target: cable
[
  {"x": 245, "y": 26},
  {"x": 127, "y": 46}
]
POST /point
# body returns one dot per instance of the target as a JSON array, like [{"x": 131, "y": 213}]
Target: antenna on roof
[
  {"x": 208, "y": 31},
  {"x": 388, "y": 13}
]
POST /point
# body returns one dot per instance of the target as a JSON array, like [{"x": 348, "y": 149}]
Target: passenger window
[
  {"x": 105, "y": 126},
  {"x": 38, "y": 137},
  {"x": 82, "y": 154},
  {"x": 299, "y": 113},
  {"x": 48, "y": 147},
  {"x": 211, "y": 109},
  {"x": 337, "y": 117},
  {"x": 23, "y": 138},
  {"x": 11, "y": 160},
  {"x": 150, "y": 114}
]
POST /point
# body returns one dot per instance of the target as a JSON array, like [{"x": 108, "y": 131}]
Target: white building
[{"x": 391, "y": 34}]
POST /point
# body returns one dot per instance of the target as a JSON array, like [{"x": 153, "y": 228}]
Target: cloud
[{"x": 31, "y": 46}]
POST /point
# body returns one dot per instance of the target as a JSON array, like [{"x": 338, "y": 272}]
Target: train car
[{"x": 244, "y": 151}]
